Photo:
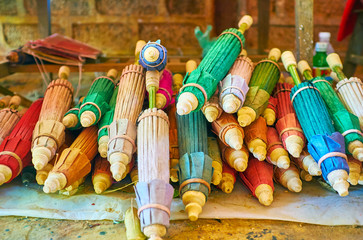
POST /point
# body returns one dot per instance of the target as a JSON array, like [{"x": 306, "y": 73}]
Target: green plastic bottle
[{"x": 320, "y": 65}]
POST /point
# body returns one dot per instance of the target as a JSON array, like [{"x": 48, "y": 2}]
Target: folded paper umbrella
[
  {"x": 42, "y": 174},
  {"x": 229, "y": 131},
  {"x": 101, "y": 176},
  {"x": 132, "y": 224},
  {"x": 344, "y": 122},
  {"x": 195, "y": 166},
  {"x": 287, "y": 124},
  {"x": 70, "y": 119},
  {"x": 104, "y": 124},
  {"x": 8, "y": 119},
  {"x": 28, "y": 175},
  {"x": 217, "y": 164},
  {"x": 256, "y": 138},
  {"x": 14, "y": 102},
  {"x": 325, "y": 146},
  {"x": 153, "y": 57},
  {"x": 95, "y": 104},
  {"x": 200, "y": 85},
  {"x": 263, "y": 80},
  {"x": 276, "y": 154},
  {"x": 355, "y": 168},
  {"x": 349, "y": 90},
  {"x": 122, "y": 131},
  {"x": 153, "y": 191},
  {"x": 289, "y": 178},
  {"x": 163, "y": 96},
  {"x": 49, "y": 133},
  {"x": 15, "y": 149},
  {"x": 234, "y": 87},
  {"x": 211, "y": 108},
  {"x": 228, "y": 179},
  {"x": 4, "y": 101},
  {"x": 74, "y": 162},
  {"x": 270, "y": 112},
  {"x": 236, "y": 159},
  {"x": 307, "y": 163},
  {"x": 258, "y": 178}
]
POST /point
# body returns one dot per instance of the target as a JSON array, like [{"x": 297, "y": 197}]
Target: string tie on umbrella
[
  {"x": 291, "y": 129},
  {"x": 195, "y": 180},
  {"x": 127, "y": 138},
  {"x": 153, "y": 205},
  {"x": 352, "y": 131},
  {"x": 14, "y": 155},
  {"x": 197, "y": 86},
  {"x": 95, "y": 105},
  {"x": 239, "y": 39},
  {"x": 99, "y": 130},
  {"x": 331, "y": 154},
  {"x": 351, "y": 80},
  {"x": 301, "y": 89}
]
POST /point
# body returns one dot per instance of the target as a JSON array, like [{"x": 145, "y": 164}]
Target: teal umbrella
[
  {"x": 104, "y": 124},
  {"x": 200, "y": 85},
  {"x": 324, "y": 144},
  {"x": 195, "y": 166},
  {"x": 344, "y": 122}
]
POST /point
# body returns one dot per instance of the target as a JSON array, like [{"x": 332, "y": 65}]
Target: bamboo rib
[
  {"x": 8, "y": 119},
  {"x": 129, "y": 103}
]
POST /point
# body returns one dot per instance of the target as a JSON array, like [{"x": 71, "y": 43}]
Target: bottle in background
[
  {"x": 325, "y": 37},
  {"x": 320, "y": 65}
]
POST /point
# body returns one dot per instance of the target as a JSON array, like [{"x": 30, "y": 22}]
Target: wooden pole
[{"x": 304, "y": 27}]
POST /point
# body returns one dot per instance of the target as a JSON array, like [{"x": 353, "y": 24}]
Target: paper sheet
[{"x": 313, "y": 205}]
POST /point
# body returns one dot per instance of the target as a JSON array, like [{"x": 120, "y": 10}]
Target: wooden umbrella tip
[
  {"x": 333, "y": 60},
  {"x": 191, "y": 65},
  {"x": 246, "y": 116},
  {"x": 264, "y": 194},
  {"x": 259, "y": 152},
  {"x": 270, "y": 116},
  {"x": 41, "y": 178},
  {"x": 99, "y": 187},
  {"x": 112, "y": 73},
  {"x": 139, "y": 45},
  {"x": 227, "y": 186},
  {"x": 240, "y": 165},
  {"x": 274, "y": 54},
  {"x": 294, "y": 184},
  {"x": 231, "y": 103},
  {"x": 151, "y": 54},
  {"x": 288, "y": 59},
  {"x": 211, "y": 113},
  {"x": 353, "y": 178},
  {"x": 338, "y": 180},
  {"x": 303, "y": 66},
  {"x": 246, "y": 19},
  {"x": 160, "y": 100},
  {"x": 40, "y": 157},
  {"x": 5, "y": 174},
  {"x": 187, "y": 102},
  {"x": 88, "y": 118},
  {"x": 64, "y": 72},
  {"x": 283, "y": 162},
  {"x": 314, "y": 169},
  {"x": 216, "y": 177}
]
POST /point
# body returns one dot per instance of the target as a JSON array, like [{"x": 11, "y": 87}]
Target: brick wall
[
  {"x": 327, "y": 16},
  {"x": 113, "y": 26}
]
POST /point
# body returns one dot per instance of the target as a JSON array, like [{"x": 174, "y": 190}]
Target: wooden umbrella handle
[
  {"x": 245, "y": 23},
  {"x": 64, "y": 72},
  {"x": 191, "y": 65},
  {"x": 333, "y": 60}
]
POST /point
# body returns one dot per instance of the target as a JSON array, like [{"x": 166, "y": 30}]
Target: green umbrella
[
  {"x": 95, "y": 104},
  {"x": 195, "y": 166},
  {"x": 104, "y": 124},
  {"x": 325, "y": 145},
  {"x": 349, "y": 90},
  {"x": 70, "y": 119},
  {"x": 200, "y": 85},
  {"x": 344, "y": 122},
  {"x": 263, "y": 80}
]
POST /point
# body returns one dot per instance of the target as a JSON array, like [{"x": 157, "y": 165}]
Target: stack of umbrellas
[
  {"x": 344, "y": 122},
  {"x": 324, "y": 144}
]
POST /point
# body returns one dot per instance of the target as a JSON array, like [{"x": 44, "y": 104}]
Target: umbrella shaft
[
  {"x": 152, "y": 97},
  {"x": 339, "y": 72},
  {"x": 294, "y": 74},
  {"x": 308, "y": 75}
]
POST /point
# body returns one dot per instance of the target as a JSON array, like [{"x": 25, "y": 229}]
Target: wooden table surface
[{"x": 19, "y": 228}]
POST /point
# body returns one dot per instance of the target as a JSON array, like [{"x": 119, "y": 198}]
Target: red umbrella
[{"x": 15, "y": 149}]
